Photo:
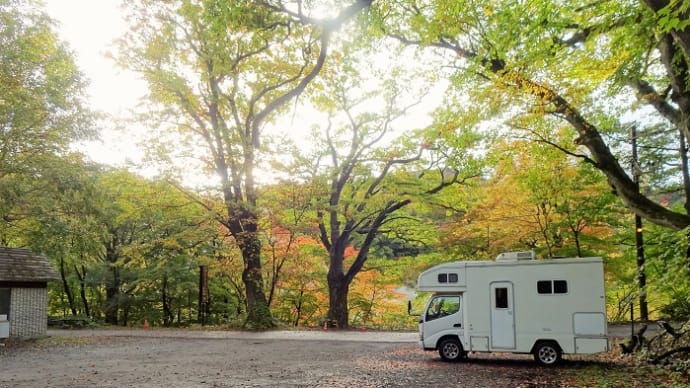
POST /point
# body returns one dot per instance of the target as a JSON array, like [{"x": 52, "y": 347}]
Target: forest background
[{"x": 314, "y": 157}]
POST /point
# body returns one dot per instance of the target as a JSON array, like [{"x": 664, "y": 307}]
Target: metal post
[{"x": 632, "y": 319}]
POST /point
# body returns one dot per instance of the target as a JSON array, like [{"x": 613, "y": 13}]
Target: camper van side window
[
  {"x": 560, "y": 287},
  {"x": 447, "y": 278},
  {"x": 544, "y": 287},
  {"x": 552, "y": 287},
  {"x": 442, "y": 306}
]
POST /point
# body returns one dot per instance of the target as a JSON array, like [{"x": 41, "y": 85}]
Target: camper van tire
[
  {"x": 547, "y": 353},
  {"x": 450, "y": 349}
]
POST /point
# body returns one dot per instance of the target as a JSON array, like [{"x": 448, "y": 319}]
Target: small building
[{"x": 24, "y": 277}]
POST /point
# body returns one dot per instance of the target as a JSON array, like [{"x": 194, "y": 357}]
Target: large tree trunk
[
  {"x": 258, "y": 313},
  {"x": 243, "y": 225},
  {"x": 338, "y": 288}
]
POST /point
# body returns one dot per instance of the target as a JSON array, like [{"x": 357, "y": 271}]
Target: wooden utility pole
[
  {"x": 639, "y": 241},
  {"x": 203, "y": 295}
]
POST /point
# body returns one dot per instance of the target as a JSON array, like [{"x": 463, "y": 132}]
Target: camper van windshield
[{"x": 442, "y": 306}]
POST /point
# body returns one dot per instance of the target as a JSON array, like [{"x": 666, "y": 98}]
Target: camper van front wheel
[
  {"x": 450, "y": 349},
  {"x": 547, "y": 353}
]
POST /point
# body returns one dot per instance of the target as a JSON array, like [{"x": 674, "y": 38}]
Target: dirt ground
[{"x": 187, "y": 358}]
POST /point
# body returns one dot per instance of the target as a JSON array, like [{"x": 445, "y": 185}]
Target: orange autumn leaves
[
  {"x": 537, "y": 198},
  {"x": 296, "y": 266}
]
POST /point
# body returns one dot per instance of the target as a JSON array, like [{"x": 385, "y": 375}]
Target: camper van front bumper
[{"x": 422, "y": 344}]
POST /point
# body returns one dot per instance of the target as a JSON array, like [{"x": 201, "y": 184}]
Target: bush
[{"x": 71, "y": 322}]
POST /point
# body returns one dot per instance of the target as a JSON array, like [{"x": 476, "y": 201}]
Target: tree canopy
[
  {"x": 42, "y": 111},
  {"x": 576, "y": 64}
]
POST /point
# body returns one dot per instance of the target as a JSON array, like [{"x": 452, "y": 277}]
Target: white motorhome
[{"x": 515, "y": 304}]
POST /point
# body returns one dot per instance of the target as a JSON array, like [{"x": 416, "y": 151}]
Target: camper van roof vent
[{"x": 512, "y": 256}]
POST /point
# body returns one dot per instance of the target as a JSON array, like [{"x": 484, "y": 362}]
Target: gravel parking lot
[{"x": 181, "y": 358}]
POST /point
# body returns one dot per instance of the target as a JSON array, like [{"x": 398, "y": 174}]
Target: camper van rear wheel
[
  {"x": 547, "y": 353},
  {"x": 450, "y": 349}
]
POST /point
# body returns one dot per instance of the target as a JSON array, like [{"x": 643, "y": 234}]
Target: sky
[{"x": 89, "y": 27}]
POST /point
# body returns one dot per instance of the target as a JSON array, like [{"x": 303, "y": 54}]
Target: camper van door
[
  {"x": 444, "y": 313},
  {"x": 502, "y": 316}
]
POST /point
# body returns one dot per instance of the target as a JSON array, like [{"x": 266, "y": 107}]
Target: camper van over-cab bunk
[{"x": 515, "y": 304}]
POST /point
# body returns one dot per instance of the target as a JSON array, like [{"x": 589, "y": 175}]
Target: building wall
[{"x": 28, "y": 312}]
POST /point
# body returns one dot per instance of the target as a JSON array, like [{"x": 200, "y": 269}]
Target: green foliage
[
  {"x": 667, "y": 266},
  {"x": 41, "y": 112},
  {"x": 126, "y": 245},
  {"x": 42, "y": 108},
  {"x": 673, "y": 17}
]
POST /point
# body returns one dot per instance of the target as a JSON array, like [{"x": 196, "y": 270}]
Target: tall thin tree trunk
[
  {"x": 544, "y": 228},
  {"x": 686, "y": 184},
  {"x": 168, "y": 316},
  {"x": 125, "y": 313},
  {"x": 112, "y": 293},
  {"x": 298, "y": 307},
  {"x": 684, "y": 170},
  {"x": 82, "y": 288},
  {"x": 65, "y": 287},
  {"x": 576, "y": 237}
]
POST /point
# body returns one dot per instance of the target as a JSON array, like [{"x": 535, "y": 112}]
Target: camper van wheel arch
[
  {"x": 450, "y": 349},
  {"x": 547, "y": 353}
]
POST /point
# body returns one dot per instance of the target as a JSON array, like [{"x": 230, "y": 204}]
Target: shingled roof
[{"x": 23, "y": 265}]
